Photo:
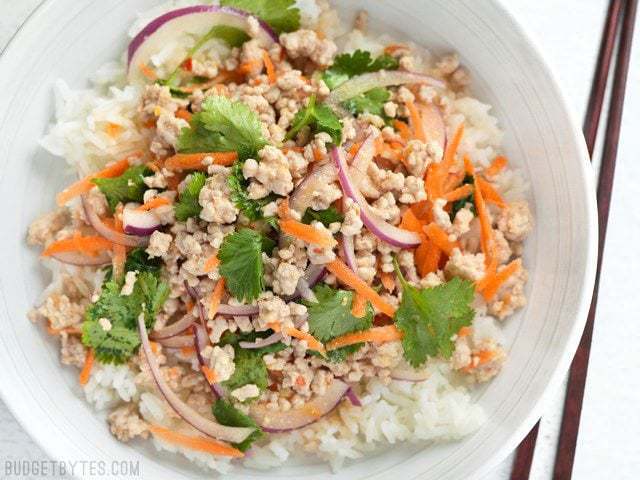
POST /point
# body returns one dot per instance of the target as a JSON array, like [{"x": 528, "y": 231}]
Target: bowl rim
[{"x": 587, "y": 175}]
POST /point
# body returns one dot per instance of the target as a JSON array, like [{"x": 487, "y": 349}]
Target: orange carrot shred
[
  {"x": 358, "y": 306},
  {"x": 440, "y": 238},
  {"x": 113, "y": 129},
  {"x": 464, "y": 332},
  {"x": 387, "y": 333},
  {"x": 317, "y": 155},
  {"x": 148, "y": 72},
  {"x": 184, "y": 114},
  {"x": 89, "y": 245},
  {"x": 216, "y": 298},
  {"x": 155, "y": 347},
  {"x": 354, "y": 149},
  {"x": 187, "y": 351},
  {"x": 194, "y": 161},
  {"x": 200, "y": 444},
  {"x": 491, "y": 287},
  {"x": 283, "y": 209},
  {"x": 212, "y": 263},
  {"x": 416, "y": 122},
  {"x": 153, "y": 203},
  {"x": 403, "y": 129},
  {"x": 307, "y": 233},
  {"x": 469, "y": 169},
  {"x": 268, "y": 64},
  {"x": 486, "y": 232},
  {"x": 496, "y": 166},
  {"x": 490, "y": 194},
  {"x": 394, "y": 47},
  {"x": 452, "y": 148},
  {"x": 410, "y": 222},
  {"x": 459, "y": 193},
  {"x": 388, "y": 281},
  {"x": 209, "y": 374},
  {"x": 348, "y": 277},
  {"x": 427, "y": 257},
  {"x": 86, "y": 368},
  {"x": 312, "y": 342}
]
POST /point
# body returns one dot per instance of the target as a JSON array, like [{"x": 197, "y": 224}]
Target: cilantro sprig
[
  {"x": 349, "y": 65},
  {"x": 429, "y": 317},
  {"x": 460, "y": 204},
  {"x": 222, "y": 126},
  {"x": 281, "y": 15},
  {"x": 331, "y": 317},
  {"x": 228, "y": 415},
  {"x": 326, "y": 217},
  {"x": 251, "y": 208},
  {"x": 188, "y": 203},
  {"x": 320, "y": 118},
  {"x": 369, "y": 102},
  {"x": 128, "y": 187}
]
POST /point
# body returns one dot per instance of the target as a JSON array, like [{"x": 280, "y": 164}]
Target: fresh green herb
[
  {"x": 138, "y": 260},
  {"x": 349, "y": 65},
  {"x": 331, "y": 317},
  {"x": 319, "y": 118},
  {"x": 252, "y": 209},
  {"x": 222, "y": 126},
  {"x": 188, "y": 205},
  {"x": 460, "y": 204},
  {"x": 326, "y": 217},
  {"x": 429, "y": 317},
  {"x": 241, "y": 264},
  {"x": 119, "y": 343},
  {"x": 369, "y": 102},
  {"x": 128, "y": 187},
  {"x": 228, "y": 415},
  {"x": 281, "y": 15},
  {"x": 250, "y": 369}
]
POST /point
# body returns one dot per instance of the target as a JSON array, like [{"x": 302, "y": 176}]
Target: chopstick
[{"x": 618, "y": 10}]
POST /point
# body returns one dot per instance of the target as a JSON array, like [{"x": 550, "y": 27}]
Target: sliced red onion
[
  {"x": 237, "y": 310},
  {"x": 353, "y": 398},
  {"x": 181, "y": 341},
  {"x": 279, "y": 421},
  {"x": 433, "y": 125},
  {"x": 392, "y": 235},
  {"x": 193, "y": 418},
  {"x": 195, "y": 296},
  {"x": 407, "y": 373},
  {"x": 311, "y": 277},
  {"x": 82, "y": 260},
  {"x": 139, "y": 223},
  {"x": 349, "y": 252},
  {"x": 173, "y": 329},
  {"x": 384, "y": 78},
  {"x": 200, "y": 340},
  {"x": 302, "y": 196},
  {"x": 262, "y": 342},
  {"x": 116, "y": 237},
  {"x": 196, "y": 20}
]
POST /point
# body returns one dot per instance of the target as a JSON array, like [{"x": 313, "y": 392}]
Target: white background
[{"x": 568, "y": 33}]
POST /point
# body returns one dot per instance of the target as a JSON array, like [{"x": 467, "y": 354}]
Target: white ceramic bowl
[{"x": 70, "y": 39}]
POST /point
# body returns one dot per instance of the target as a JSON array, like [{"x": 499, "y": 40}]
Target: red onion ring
[
  {"x": 195, "y": 296},
  {"x": 116, "y": 237},
  {"x": 200, "y": 340},
  {"x": 301, "y": 198},
  {"x": 173, "y": 329},
  {"x": 392, "y": 235},
  {"x": 193, "y": 418},
  {"x": 353, "y": 398},
  {"x": 349, "y": 253},
  {"x": 139, "y": 223},
  {"x": 262, "y": 342},
  {"x": 181, "y": 341}
]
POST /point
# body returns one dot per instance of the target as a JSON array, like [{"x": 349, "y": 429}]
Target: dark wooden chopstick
[{"x": 565, "y": 453}]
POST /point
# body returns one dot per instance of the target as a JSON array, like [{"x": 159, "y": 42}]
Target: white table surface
[{"x": 568, "y": 33}]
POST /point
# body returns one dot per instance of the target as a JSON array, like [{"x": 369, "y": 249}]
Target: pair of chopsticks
[{"x": 618, "y": 29}]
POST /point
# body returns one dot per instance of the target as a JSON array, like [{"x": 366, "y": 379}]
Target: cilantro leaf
[
  {"x": 251, "y": 208},
  {"x": 326, "y": 217},
  {"x": 460, "y": 204},
  {"x": 241, "y": 264},
  {"x": 222, "y": 126},
  {"x": 331, "y": 317},
  {"x": 128, "y": 187},
  {"x": 188, "y": 205},
  {"x": 117, "y": 344},
  {"x": 228, "y": 415},
  {"x": 250, "y": 368},
  {"x": 139, "y": 260},
  {"x": 281, "y": 15},
  {"x": 320, "y": 118},
  {"x": 429, "y": 317},
  {"x": 369, "y": 102},
  {"x": 349, "y": 65}
]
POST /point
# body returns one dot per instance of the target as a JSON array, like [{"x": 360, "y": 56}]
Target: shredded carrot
[
  {"x": 469, "y": 169},
  {"x": 490, "y": 194},
  {"x": 433, "y": 181},
  {"x": 358, "y": 306},
  {"x": 187, "y": 351},
  {"x": 113, "y": 129},
  {"x": 194, "y": 161},
  {"x": 286, "y": 150},
  {"x": 148, "y": 72},
  {"x": 212, "y": 263},
  {"x": 348, "y": 277},
  {"x": 486, "y": 232},
  {"x": 485, "y": 356},
  {"x": 250, "y": 66},
  {"x": 155, "y": 347},
  {"x": 184, "y": 114},
  {"x": 410, "y": 222},
  {"x": 354, "y": 149},
  {"x": 189, "y": 305},
  {"x": 403, "y": 129},
  {"x": 459, "y": 193},
  {"x": 388, "y": 281},
  {"x": 216, "y": 298},
  {"x": 82, "y": 186},
  {"x": 452, "y": 148},
  {"x": 317, "y": 154},
  {"x": 427, "y": 257},
  {"x": 491, "y": 287},
  {"x": 464, "y": 332},
  {"x": 388, "y": 333},
  {"x": 153, "y": 203},
  {"x": 153, "y": 166},
  {"x": 378, "y": 143},
  {"x": 453, "y": 180},
  {"x": 199, "y": 444},
  {"x": 268, "y": 65},
  {"x": 283, "y": 209},
  {"x": 90, "y": 245},
  {"x": 440, "y": 238},
  {"x": 416, "y": 122},
  {"x": 312, "y": 342},
  {"x": 86, "y": 368},
  {"x": 496, "y": 166},
  {"x": 118, "y": 261},
  {"x": 394, "y": 47},
  {"x": 209, "y": 374},
  {"x": 307, "y": 233}
]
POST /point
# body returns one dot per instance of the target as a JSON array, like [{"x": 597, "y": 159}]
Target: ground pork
[
  {"x": 125, "y": 423},
  {"x": 215, "y": 199},
  {"x": 515, "y": 221},
  {"x": 270, "y": 175},
  {"x": 306, "y": 44},
  {"x": 42, "y": 231}
]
